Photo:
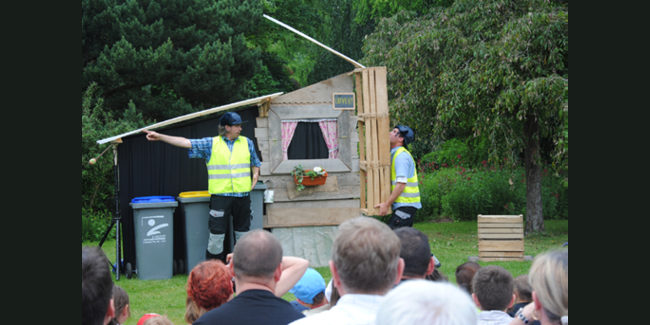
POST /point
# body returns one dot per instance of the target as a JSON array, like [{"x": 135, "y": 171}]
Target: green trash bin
[{"x": 153, "y": 219}]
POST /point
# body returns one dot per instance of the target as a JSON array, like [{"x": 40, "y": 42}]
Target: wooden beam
[
  {"x": 382, "y": 132},
  {"x": 500, "y": 231},
  {"x": 501, "y": 254},
  {"x": 192, "y": 116},
  {"x": 310, "y": 213},
  {"x": 500, "y": 225},
  {"x": 355, "y": 63},
  {"x": 375, "y": 139},
  {"x": 501, "y": 236},
  {"x": 368, "y": 130},
  {"x": 501, "y": 246},
  {"x": 362, "y": 138}
]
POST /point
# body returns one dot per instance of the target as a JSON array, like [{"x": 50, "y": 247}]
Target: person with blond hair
[
  {"x": 549, "y": 278},
  {"x": 417, "y": 302}
]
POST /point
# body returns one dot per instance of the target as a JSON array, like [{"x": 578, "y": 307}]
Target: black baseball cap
[
  {"x": 406, "y": 133},
  {"x": 231, "y": 119}
]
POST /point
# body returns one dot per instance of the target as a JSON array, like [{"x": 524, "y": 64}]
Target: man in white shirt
[{"x": 365, "y": 265}]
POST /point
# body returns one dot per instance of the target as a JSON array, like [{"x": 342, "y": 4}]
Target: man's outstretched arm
[{"x": 175, "y": 141}]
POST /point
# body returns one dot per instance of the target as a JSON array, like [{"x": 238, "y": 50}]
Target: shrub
[
  {"x": 463, "y": 193},
  {"x": 94, "y": 224}
]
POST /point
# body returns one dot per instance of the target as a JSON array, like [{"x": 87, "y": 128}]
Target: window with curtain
[{"x": 310, "y": 139}]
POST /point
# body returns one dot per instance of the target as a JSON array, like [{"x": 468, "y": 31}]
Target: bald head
[{"x": 257, "y": 254}]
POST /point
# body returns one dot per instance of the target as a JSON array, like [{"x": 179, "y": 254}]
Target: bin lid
[
  {"x": 194, "y": 194},
  {"x": 153, "y": 199}
]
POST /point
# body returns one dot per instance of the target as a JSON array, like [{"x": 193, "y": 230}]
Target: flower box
[{"x": 307, "y": 181}]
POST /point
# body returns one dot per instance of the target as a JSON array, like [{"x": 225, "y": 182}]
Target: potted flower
[{"x": 310, "y": 177}]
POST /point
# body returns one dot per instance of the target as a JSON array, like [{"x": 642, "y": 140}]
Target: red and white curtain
[{"x": 328, "y": 128}]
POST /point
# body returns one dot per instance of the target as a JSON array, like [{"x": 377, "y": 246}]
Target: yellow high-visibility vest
[
  {"x": 229, "y": 172},
  {"x": 411, "y": 193}
]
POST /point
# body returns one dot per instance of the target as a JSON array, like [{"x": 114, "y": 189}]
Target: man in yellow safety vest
[
  {"x": 229, "y": 157},
  {"x": 405, "y": 193}
]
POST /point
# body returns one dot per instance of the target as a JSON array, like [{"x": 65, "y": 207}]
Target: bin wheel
[
  {"x": 128, "y": 269},
  {"x": 175, "y": 267},
  {"x": 181, "y": 267}
]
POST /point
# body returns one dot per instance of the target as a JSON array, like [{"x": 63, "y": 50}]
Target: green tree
[
  {"x": 497, "y": 69},
  {"x": 169, "y": 57},
  {"x": 372, "y": 9},
  {"x": 97, "y": 181},
  {"x": 342, "y": 34}
]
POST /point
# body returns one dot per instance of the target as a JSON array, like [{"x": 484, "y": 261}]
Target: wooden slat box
[{"x": 501, "y": 238}]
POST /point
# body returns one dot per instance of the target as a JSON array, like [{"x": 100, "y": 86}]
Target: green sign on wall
[{"x": 343, "y": 101}]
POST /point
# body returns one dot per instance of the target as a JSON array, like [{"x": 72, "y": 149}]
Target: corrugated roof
[{"x": 193, "y": 115}]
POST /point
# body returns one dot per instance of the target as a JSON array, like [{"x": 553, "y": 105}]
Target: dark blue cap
[
  {"x": 406, "y": 133},
  {"x": 231, "y": 119}
]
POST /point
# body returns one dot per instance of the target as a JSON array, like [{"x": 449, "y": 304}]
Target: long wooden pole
[{"x": 356, "y": 64}]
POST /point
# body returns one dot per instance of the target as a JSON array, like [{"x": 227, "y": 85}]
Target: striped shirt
[{"x": 202, "y": 148}]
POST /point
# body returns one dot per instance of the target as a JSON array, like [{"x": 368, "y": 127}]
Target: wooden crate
[
  {"x": 501, "y": 238},
  {"x": 374, "y": 142}
]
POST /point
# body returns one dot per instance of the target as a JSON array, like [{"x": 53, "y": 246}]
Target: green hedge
[
  {"x": 462, "y": 194},
  {"x": 94, "y": 224}
]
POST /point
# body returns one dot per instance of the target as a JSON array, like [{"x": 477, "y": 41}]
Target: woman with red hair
[{"x": 210, "y": 284}]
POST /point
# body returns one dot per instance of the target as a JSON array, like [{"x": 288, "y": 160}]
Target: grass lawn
[{"x": 452, "y": 243}]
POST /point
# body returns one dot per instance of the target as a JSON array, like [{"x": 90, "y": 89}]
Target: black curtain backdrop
[
  {"x": 308, "y": 142},
  {"x": 160, "y": 169}
]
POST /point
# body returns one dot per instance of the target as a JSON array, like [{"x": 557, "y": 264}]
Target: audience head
[
  {"x": 310, "y": 289},
  {"x": 523, "y": 290},
  {"x": 416, "y": 252},
  {"x": 146, "y": 317},
  {"x": 493, "y": 288},
  {"x": 365, "y": 257},
  {"x": 96, "y": 287},
  {"x": 209, "y": 284},
  {"x": 192, "y": 311},
  {"x": 464, "y": 275},
  {"x": 258, "y": 254},
  {"x": 427, "y": 302},
  {"x": 121, "y": 303},
  {"x": 332, "y": 294},
  {"x": 549, "y": 277},
  {"x": 437, "y": 276},
  {"x": 158, "y": 320}
]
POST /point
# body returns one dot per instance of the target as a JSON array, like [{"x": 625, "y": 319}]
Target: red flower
[
  {"x": 506, "y": 206},
  {"x": 459, "y": 156},
  {"x": 468, "y": 178}
]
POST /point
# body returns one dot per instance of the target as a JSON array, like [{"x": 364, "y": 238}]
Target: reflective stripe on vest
[
  {"x": 229, "y": 172},
  {"x": 411, "y": 193}
]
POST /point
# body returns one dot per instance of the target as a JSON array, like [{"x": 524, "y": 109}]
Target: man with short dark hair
[
  {"x": 416, "y": 252},
  {"x": 405, "y": 193},
  {"x": 229, "y": 158},
  {"x": 257, "y": 266},
  {"x": 365, "y": 265},
  {"x": 493, "y": 294},
  {"x": 96, "y": 288}
]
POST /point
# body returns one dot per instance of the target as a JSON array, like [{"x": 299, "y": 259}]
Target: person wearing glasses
[{"x": 405, "y": 193}]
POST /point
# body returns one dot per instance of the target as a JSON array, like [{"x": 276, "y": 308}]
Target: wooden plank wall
[
  {"x": 374, "y": 142},
  {"x": 501, "y": 238}
]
